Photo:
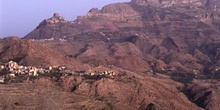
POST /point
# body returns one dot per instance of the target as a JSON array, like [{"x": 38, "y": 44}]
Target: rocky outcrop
[
  {"x": 177, "y": 38},
  {"x": 203, "y": 95},
  {"x": 192, "y": 22},
  {"x": 134, "y": 92},
  {"x": 121, "y": 93},
  {"x": 201, "y": 56},
  {"x": 131, "y": 15},
  {"x": 124, "y": 55},
  {"x": 160, "y": 26},
  {"x": 169, "y": 3}
]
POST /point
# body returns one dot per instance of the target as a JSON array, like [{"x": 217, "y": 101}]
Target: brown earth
[
  {"x": 27, "y": 52},
  {"x": 134, "y": 34},
  {"x": 179, "y": 38},
  {"x": 119, "y": 93},
  {"x": 204, "y": 93}
]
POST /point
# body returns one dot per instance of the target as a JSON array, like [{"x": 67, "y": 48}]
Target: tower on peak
[{"x": 56, "y": 15}]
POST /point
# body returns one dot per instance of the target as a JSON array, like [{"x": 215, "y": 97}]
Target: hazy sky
[{"x": 19, "y": 17}]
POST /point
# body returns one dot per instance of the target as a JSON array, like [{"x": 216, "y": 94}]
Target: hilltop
[
  {"x": 159, "y": 50},
  {"x": 181, "y": 34}
]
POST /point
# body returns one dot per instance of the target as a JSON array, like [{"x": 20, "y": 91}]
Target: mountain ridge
[
  {"x": 159, "y": 49},
  {"x": 171, "y": 33}
]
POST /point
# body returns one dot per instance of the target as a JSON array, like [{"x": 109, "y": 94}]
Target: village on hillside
[{"x": 12, "y": 72}]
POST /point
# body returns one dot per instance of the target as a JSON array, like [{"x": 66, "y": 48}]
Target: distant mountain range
[
  {"x": 183, "y": 31},
  {"x": 177, "y": 38}
]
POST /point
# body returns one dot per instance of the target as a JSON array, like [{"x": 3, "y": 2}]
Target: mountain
[
  {"x": 122, "y": 93},
  {"x": 160, "y": 50},
  {"x": 179, "y": 25},
  {"x": 165, "y": 18},
  {"x": 29, "y": 53},
  {"x": 183, "y": 34}
]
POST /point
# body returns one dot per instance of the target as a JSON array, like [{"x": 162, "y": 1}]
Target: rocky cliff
[
  {"x": 161, "y": 49},
  {"x": 194, "y": 21},
  {"x": 169, "y": 30}
]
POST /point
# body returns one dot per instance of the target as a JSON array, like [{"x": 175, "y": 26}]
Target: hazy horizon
[{"x": 18, "y": 18}]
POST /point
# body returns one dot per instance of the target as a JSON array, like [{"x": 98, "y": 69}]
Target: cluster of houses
[
  {"x": 102, "y": 73},
  {"x": 51, "y": 39},
  {"x": 12, "y": 70}
]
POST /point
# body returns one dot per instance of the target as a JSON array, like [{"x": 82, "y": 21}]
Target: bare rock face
[
  {"x": 201, "y": 56},
  {"x": 125, "y": 55},
  {"x": 78, "y": 92},
  {"x": 139, "y": 32},
  {"x": 129, "y": 57},
  {"x": 184, "y": 2},
  {"x": 188, "y": 20},
  {"x": 203, "y": 95},
  {"x": 134, "y": 92},
  {"x": 175, "y": 41},
  {"x": 185, "y": 25},
  {"x": 42, "y": 96},
  {"x": 95, "y": 54},
  {"x": 169, "y": 3},
  {"x": 142, "y": 2}
]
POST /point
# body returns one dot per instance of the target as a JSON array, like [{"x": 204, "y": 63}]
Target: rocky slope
[
  {"x": 161, "y": 29},
  {"x": 75, "y": 92},
  {"x": 165, "y": 18},
  {"x": 178, "y": 38},
  {"x": 29, "y": 53},
  {"x": 204, "y": 94}
]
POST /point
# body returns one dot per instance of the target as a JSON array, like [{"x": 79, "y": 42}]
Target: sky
[{"x": 19, "y": 17}]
